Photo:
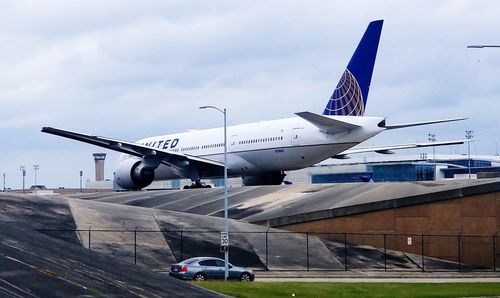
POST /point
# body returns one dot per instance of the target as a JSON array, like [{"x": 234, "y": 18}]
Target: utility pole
[{"x": 23, "y": 171}]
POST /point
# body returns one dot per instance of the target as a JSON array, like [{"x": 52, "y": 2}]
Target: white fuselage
[{"x": 267, "y": 146}]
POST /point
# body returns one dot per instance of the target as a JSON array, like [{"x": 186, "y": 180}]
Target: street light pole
[
  {"x": 469, "y": 134},
  {"x": 226, "y": 222},
  {"x": 23, "y": 171}
]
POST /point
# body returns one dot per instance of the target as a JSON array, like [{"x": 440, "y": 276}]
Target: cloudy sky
[{"x": 130, "y": 69}]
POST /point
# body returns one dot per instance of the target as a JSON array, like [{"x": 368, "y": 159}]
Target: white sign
[
  {"x": 224, "y": 239},
  {"x": 409, "y": 241}
]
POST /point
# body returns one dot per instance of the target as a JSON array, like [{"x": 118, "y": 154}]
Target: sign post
[{"x": 224, "y": 241}]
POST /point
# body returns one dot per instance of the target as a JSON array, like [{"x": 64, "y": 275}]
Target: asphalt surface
[{"x": 35, "y": 265}]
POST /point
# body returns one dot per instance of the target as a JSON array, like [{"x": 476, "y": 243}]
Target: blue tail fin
[{"x": 350, "y": 96}]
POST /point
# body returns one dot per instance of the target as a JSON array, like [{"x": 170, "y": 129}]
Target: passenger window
[
  {"x": 220, "y": 263},
  {"x": 209, "y": 263}
]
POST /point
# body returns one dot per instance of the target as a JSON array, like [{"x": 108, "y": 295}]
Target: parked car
[{"x": 202, "y": 268}]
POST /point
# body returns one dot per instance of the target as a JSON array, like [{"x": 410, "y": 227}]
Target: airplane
[{"x": 262, "y": 152}]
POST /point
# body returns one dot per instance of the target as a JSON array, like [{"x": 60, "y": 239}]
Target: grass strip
[{"x": 320, "y": 289}]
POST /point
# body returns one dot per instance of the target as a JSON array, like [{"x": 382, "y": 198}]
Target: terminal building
[{"x": 403, "y": 168}]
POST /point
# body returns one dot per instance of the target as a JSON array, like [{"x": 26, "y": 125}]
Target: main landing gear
[{"x": 197, "y": 184}]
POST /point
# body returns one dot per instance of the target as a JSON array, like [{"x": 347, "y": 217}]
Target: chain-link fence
[{"x": 281, "y": 250}]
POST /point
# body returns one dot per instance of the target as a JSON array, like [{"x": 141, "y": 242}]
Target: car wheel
[
  {"x": 245, "y": 277},
  {"x": 199, "y": 277}
]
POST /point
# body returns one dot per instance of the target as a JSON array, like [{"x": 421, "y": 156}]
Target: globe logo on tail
[{"x": 347, "y": 99}]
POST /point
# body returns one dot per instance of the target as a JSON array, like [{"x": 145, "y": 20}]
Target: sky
[{"x": 131, "y": 69}]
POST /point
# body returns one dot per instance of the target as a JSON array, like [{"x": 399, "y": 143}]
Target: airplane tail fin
[{"x": 350, "y": 96}]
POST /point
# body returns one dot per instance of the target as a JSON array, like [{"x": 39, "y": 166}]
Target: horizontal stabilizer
[
  {"x": 395, "y": 126},
  {"x": 325, "y": 124}
]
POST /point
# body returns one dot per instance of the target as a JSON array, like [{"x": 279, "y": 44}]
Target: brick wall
[{"x": 477, "y": 215}]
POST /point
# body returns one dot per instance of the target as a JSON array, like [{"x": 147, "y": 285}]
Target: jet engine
[
  {"x": 269, "y": 178},
  {"x": 134, "y": 174}
]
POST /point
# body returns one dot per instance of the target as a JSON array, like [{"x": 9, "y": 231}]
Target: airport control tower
[{"x": 99, "y": 166}]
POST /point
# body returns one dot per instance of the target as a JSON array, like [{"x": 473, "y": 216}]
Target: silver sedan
[{"x": 203, "y": 268}]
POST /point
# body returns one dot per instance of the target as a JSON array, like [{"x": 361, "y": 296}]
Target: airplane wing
[
  {"x": 388, "y": 148},
  {"x": 169, "y": 158}
]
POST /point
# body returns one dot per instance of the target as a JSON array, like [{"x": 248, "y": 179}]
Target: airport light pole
[
  {"x": 23, "y": 171},
  {"x": 226, "y": 223},
  {"x": 469, "y": 134},
  {"x": 81, "y": 175},
  {"x": 3, "y": 182},
  {"x": 36, "y": 168},
  {"x": 432, "y": 138}
]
